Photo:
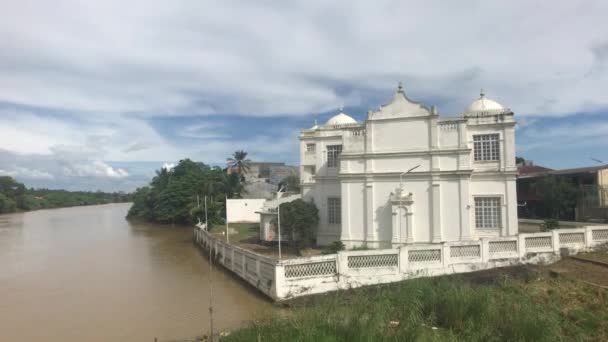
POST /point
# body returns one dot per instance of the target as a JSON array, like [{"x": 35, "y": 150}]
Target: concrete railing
[{"x": 303, "y": 276}]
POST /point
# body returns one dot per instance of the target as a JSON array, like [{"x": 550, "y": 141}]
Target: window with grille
[
  {"x": 334, "y": 214},
  {"x": 486, "y": 147},
  {"x": 310, "y": 147},
  {"x": 487, "y": 212},
  {"x": 333, "y": 151}
]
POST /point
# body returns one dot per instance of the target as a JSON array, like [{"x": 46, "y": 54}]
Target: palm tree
[{"x": 239, "y": 162}]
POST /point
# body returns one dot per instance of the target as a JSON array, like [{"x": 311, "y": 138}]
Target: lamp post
[
  {"x": 227, "y": 230},
  {"x": 401, "y": 192},
  {"x": 279, "y": 219}
]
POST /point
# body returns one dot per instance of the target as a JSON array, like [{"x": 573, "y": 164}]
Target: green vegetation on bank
[
  {"x": 15, "y": 197},
  {"x": 529, "y": 307},
  {"x": 176, "y": 195}
]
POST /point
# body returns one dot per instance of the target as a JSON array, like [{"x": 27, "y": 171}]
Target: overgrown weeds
[{"x": 446, "y": 309}]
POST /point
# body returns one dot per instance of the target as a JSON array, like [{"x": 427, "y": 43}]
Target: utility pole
[
  {"x": 210, "y": 280},
  {"x": 279, "y": 219}
]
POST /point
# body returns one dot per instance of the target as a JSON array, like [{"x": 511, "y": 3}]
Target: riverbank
[{"x": 524, "y": 303}]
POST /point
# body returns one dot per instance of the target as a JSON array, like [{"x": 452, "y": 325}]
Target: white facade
[
  {"x": 460, "y": 184},
  {"x": 244, "y": 210}
]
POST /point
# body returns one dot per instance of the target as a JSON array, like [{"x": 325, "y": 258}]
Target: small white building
[
  {"x": 407, "y": 175},
  {"x": 268, "y": 216},
  {"x": 244, "y": 209}
]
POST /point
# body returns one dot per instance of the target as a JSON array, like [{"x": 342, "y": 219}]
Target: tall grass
[{"x": 427, "y": 310}]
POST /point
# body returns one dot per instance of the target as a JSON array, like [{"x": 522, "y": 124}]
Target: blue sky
[{"x": 97, "y": 95}]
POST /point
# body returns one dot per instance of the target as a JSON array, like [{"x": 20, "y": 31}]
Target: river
[{"x": 87, "y": 274}]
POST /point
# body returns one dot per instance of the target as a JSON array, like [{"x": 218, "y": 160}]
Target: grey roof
[{"x": 588, "y": 169}]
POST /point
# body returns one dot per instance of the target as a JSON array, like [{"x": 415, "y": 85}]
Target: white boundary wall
[
  {"x": 292, "y": 278},
  {"x": 244, "y": 210}
]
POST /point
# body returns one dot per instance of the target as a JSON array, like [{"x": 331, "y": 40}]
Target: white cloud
[
  {"x": 200, "y": 57},
  {"x": 95, "y": 168},
  {"x": 168, "y": 166},
  {"x": 27, "y": 173}
]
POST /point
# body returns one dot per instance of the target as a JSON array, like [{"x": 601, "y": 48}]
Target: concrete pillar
[
  {"x": 342, "y": 263},
  {"x": 403, "y": 259},
  {"x": 588, "y": 237},
  {"x": 279, "y": 289},
  {"x": 521, "y": 246},
  {"x": 555, "y": 240},
  {"x": 485, "y": 250},
  {"x": 445, "y": 255}
]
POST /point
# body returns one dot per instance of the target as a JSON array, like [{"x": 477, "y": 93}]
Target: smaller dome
[
  {"x": 340, "y": 119},
  {"x": 484, "y": 104}
]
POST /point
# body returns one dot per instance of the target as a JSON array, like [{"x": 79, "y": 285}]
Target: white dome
[
  {"x": 484, "y": 104},
  {"x": 340, "y": 119}
]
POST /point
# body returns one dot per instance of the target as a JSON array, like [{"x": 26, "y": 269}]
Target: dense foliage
[
  {"x": 176, "y": 195},
  {"x": 290, "y": 183},
  {"x": 299, "y": 220},
  {"x": 558, "y": 194},
  {"x": 14, "y": 196}
]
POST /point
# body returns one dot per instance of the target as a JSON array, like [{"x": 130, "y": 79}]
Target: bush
[
  {"x": 549, "y": 224},
  {"x": 299, "y": 220},
  {"x": 334, "y": 248}
]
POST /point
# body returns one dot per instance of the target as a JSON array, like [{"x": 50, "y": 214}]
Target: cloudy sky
[{"x": 99, "y": 94}]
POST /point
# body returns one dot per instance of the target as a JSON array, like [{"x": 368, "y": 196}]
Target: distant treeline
[{"x": 14, "y": 197}]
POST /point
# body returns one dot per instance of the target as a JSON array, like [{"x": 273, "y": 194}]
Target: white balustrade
[{"x": 302, "y": 276}]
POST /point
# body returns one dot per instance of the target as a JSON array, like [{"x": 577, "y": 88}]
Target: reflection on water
[{"x": 86, "y": 274}]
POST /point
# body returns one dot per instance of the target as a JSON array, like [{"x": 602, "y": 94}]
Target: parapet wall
[{"x": 286, "y": 279}]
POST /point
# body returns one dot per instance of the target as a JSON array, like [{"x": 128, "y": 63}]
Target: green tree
[
  {"x": 291, "y": 183},
  {"x": 7, "y": 205},
  {"x": 299, "y": 220},
  {"x": 177, "y": 195},
  {"x": 239, "y": 162},
  {"x": 559, "y": 194}
]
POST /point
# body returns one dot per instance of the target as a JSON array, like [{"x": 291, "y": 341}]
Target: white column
[
  {"x": 436, "y": 212},
  {"x": 396, "y": 216},
  {"x": 464, "y": 208},
  {"x": 410, "y": 228},
  {"x": 345, "y": 227},
  {"x": 369, "y": 211},
  {"x": 511, "y": 207}
]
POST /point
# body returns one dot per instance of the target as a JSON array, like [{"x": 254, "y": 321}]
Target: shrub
[
  {"x": 549, "y": 224},
  {"x": 334, "y": 248}
]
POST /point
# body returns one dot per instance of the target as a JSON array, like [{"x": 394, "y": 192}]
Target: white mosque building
[{"x": 407, "y": 175}]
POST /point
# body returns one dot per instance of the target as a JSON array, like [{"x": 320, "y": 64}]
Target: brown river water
[{"x": 87, "y": 274}]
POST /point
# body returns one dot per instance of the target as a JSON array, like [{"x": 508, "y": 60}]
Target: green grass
[
  {"x": 529, "y": 308},
  {"x": 244, "y": 231}
]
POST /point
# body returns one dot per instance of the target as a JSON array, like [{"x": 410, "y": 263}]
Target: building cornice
[
  {"x": 424, "y": 175},
  {"x": 387, "y": 154}
]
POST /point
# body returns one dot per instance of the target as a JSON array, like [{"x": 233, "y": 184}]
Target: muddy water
[{"x": 86, "y": 274}]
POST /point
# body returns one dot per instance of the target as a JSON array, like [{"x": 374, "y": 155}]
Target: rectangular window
[
  {"x": 313, "y": 170},
  {"x": 486, "y": 147},
  {"x": 310, "y": 147},
  {"x": 333, "y": 151},
  {"x": 334, "y": 211},
  {"x": 487, "y": 212}
]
